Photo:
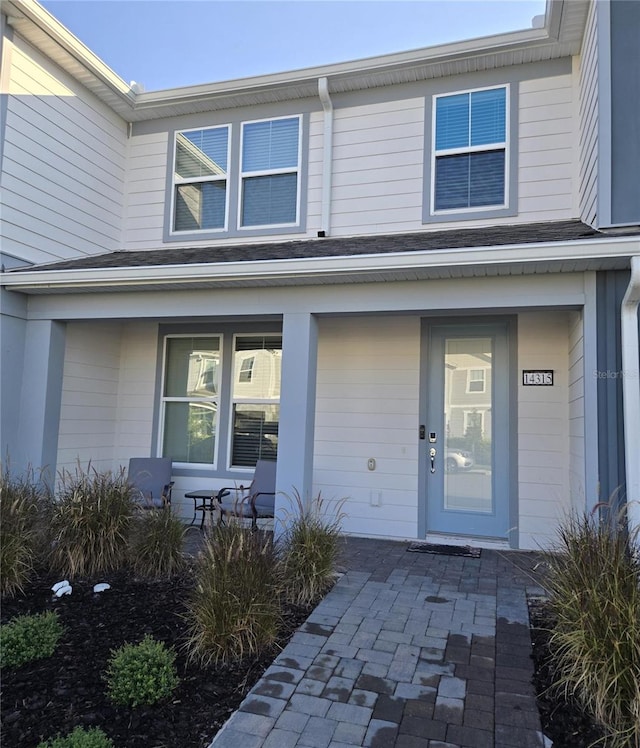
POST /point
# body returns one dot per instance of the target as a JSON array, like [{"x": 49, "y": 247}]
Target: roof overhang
[
  {"x": 560, "y": 36},
  {"x": 534, "y": 258}
]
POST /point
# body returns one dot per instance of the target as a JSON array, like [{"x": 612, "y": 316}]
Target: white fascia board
[
  {"x": 20, "y": 11},
  {"x": 439, "y": 53},
  {"x": 29, "y": 11},
  {"x": 323, "y": 268}
]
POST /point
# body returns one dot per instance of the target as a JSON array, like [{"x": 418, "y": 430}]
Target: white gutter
[
  {"x": 327, "y": 157},
  {"x": 631, "y": 395},
  {"x": 324, "y": 267}
]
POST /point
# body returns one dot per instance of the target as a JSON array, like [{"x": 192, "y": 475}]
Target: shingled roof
[{"x": 559, "y": 231}]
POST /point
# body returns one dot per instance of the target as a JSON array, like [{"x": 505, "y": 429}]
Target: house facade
[{"x": 413, "y": 280}]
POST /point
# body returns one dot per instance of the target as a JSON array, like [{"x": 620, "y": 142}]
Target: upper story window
[
  {"x": 237, "y": 178},
  {"x": 470, "y": 151},
  {"x": 270, "y": 167},
  {"x": 200, "y": 179}
]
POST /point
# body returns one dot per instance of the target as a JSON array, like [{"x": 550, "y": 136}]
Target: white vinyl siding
[
  {"x": 377, "y": 168},
  {"x": 145, "y": 191},
  {"x": 367, "y": 405},
  {"x": 589, "y": 120},
  {"x": 547, "y": 134},
  {"x": 63, "y": 165},
  {"x": 89, "y": 407},
  {"x": 543, "y": 428},
  {"x": 107, "y": 394},
  {"x": 136, "y": 391}
]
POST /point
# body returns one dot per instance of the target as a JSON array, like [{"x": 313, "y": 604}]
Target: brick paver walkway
[{"x": 408, "y": 650}]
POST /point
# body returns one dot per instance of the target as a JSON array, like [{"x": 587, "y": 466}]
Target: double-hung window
[
  {"x": 270, "y": 168},
  {"x": 190, "y": 398},
  {"x": 470, "y": 152},
  {"x": 200, "y": 179},
  {"x": 255, "y": 398},
  {"x": 237, "y": 178},
  {"x": 476, "y": 380}
]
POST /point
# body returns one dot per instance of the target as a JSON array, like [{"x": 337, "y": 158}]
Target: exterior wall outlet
[
  {"x": 371, "y": 463},
  {"x": 376, "y": 498}
]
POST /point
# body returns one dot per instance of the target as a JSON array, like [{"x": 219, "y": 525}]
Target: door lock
[{"x": 432, "y": 458}]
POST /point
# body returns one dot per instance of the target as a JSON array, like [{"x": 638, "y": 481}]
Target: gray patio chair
[
  {"x": 151, "y": 479},
  {"x": 254, "y": 502}
]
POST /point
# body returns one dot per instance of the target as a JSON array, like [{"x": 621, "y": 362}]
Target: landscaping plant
[
  {"x": 22, "y": 501},
  {"x": 90, "y": 522},
  {"x": 594, "y": 588},
  {"x": 234, "y": 610},
  {"x": 143, "y": 673},
  {"x": 28, "y": 638},
  {"x": 94, "y": 737},
  {"x": 309, "y": 549},
  {"x": 156, "y": 543}
]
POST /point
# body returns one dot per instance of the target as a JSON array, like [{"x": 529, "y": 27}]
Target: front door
[{"x": 467, "y": 430}]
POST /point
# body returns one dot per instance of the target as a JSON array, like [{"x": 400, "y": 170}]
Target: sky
[{"x": 169, "y": 43}]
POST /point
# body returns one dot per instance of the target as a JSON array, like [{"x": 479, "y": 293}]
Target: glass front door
[{"x": 467, "y": 429}]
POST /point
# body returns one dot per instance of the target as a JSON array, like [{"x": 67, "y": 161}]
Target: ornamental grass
[{"x": 594, "y": 588}]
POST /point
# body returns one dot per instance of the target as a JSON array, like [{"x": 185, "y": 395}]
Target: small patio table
[{"x": 203, "y": 501}]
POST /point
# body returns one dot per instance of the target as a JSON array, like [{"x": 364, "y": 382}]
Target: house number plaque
[{"x": 537, "y": 377}]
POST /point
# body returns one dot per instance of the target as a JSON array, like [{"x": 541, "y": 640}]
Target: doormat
[{"x": 445, "y": 550}]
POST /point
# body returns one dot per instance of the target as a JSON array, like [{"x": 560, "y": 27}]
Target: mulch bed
[
  {"x": 563, "y": 720},
  {"x": 52, "y": 696}
]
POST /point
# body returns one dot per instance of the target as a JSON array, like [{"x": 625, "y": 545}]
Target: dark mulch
[
  {"x": 52, "y": 696},
  {"x": 563, "y": 720}
]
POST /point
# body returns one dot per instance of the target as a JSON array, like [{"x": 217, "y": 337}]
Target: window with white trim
[
  {"x": 235, "y": 184},
  {"x": 190, "y": 398},
  {"x": 270, "y": 166},
  {"x": 196, "y": 401},
  {"x": 470, "y": 151},
  {"x": 255, "y": 398},
  {"x": 476, "y": 380},
  {"x": 200, "y": 179}
]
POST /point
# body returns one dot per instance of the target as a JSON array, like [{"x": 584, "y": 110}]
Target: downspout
[
  {"x": 327, "y": 165},
  {"x": 631, "y": 394}
]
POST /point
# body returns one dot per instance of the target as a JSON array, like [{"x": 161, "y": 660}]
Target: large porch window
[{"x": 204, "y": 392}]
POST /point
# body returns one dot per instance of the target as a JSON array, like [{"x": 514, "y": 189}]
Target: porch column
[
  {"x": 297, "y": 410},
  {"x": 631, "y": 394},
  {"x": 36, "y": 443}
]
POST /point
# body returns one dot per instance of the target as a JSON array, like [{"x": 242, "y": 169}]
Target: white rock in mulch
[
  {"x": 62, "y": 588},
  {"x": 101, "y": 587}
]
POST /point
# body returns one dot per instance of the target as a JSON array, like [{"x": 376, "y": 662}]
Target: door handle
[{"x": 432, "y": 458}]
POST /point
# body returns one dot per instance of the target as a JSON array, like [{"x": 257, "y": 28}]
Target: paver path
[{"x": 408, "y": 650}]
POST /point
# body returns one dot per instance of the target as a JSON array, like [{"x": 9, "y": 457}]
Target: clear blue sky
[{"x": 167, "y": 43}]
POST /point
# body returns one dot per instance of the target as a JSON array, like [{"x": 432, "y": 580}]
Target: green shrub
[
  {"x": 22, "y": 502},
  {"x": 90, "y": 523},
  {"x": 142, "y": 673},
  {"x": 594, "y": 588},
  {"x": 234, "y": 610},
  {"x": 309, "y": 549},
  {"x": 28, "y": 638},
  {"x": 157, "y": 543},
  {"x": 79, "y": 738}
]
